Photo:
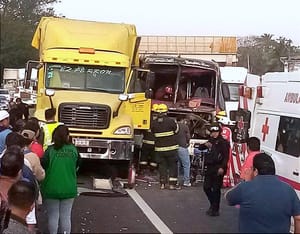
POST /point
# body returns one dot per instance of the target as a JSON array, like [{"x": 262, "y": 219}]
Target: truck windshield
[
  {"x": 85, "y": 77},
  {"x": 234, "y": 91}
]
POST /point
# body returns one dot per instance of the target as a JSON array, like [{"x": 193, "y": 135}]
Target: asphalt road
[{"x": 147, "y": 209}]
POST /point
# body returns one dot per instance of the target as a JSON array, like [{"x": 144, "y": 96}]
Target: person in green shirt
[{"x": 59, "y": 188}]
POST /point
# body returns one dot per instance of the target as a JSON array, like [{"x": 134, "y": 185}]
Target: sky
[{"x": 193, "y": 17}]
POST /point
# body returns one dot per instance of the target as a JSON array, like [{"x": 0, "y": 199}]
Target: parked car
[
  {"x": 4, "y": 104},
  {"x": 5, "y": 93}
]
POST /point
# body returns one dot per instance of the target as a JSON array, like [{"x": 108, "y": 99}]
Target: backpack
[{"x": 4, "y": 213}]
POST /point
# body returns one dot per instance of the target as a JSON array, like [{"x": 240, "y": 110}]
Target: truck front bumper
[{"x": 104, "y": 148}]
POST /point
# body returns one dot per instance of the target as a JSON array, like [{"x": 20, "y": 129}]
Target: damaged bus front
[{"x": 191, "y": 88}]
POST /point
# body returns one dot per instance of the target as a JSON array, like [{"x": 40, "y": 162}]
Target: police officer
[
  {"x": 23, "y": 108},
  {"x": 215, "y": 162},
  {"x": 164, "y": 129}
]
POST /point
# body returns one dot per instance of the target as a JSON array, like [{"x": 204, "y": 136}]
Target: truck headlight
[{"x": 123, "y": 131}]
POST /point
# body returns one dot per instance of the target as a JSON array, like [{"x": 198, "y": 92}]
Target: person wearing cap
[
  {"x": 267, "y": 204},
  {"x": 215, "y": 162},
  {"x": 36, "y": 147},
  {"x": 33, "y": 159},
  {"x": 4, "y": 128},
  {"x": 165, "y": 129}
]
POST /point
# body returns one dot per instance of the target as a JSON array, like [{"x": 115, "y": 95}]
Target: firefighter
[
  {"x": 215, "y": 162},
  {"x": 147, "y": 159},
  {"x": 223, "y": 119},
  {"x": 164, "y": 129}
]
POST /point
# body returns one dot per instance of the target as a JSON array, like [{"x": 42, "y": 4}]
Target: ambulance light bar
[
  {"x": 241, "y": 90},
  {"x": 245, "y": 91}
]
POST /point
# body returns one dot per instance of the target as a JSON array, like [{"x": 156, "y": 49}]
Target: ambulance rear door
[{"x": 280, "y": 138}]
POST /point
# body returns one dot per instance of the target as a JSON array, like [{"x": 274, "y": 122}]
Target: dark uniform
[
  {"x": 23, "y": 108},
  {"x": 147, "y": 152},
  {"x": 215, "y": 162},
  {"x": 164, "y": 129}
]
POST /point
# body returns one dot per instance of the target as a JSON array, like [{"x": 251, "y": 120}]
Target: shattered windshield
[{"x": 85, "y": 77}]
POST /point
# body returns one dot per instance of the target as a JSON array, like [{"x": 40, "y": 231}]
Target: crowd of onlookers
[{"x": 38, "y": 165}]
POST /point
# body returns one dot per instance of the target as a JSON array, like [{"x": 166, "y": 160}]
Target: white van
[
  {"x": 273, "y": 111},
  {"x": 233, "y": 77}
]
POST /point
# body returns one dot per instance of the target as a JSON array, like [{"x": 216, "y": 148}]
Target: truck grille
[{"x": 80, "y": 115}]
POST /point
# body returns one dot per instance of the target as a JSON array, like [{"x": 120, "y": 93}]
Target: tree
[
  {"x": 19, "y": 19},
  {"x": 262, "y": 54}
]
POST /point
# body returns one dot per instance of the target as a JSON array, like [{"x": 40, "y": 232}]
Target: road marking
[{"x": 154, "y": 219}]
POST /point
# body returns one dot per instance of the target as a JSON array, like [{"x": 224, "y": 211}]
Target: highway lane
[{"x": 162, "y": 211}]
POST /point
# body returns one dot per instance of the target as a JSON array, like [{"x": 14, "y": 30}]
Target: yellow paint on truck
[{"x": 89, "y": 65}]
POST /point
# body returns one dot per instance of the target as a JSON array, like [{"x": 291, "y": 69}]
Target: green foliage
[
  {"x": 19, "y": 19},
  {"x": 262, "y": 54}
]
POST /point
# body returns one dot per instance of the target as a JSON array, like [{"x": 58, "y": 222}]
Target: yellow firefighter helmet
[
  {"x": 162, "y": 108},
  {"x": 154, "y": 107},
  {"x": 221, "y": 114}
]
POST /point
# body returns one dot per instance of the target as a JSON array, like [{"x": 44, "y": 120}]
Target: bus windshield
[{"x": 85, "y": 77}]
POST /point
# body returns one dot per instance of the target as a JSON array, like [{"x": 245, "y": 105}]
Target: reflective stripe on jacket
[{"x": 164, "y": 129}]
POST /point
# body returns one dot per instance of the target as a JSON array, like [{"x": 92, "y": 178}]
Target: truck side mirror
[{"x": 30, "y": 66}]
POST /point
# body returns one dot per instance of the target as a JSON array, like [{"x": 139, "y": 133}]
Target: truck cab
[{"x": 85, "y": 70}]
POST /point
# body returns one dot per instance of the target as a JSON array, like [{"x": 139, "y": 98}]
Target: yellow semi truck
[{"x": 85, "y": 71}]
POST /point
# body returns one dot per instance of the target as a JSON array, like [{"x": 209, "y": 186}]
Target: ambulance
[
  {"x": 270, "y": 110},
  {"x": 233, "y": 77}
]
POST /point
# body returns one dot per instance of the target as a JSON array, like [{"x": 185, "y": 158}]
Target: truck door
[
  {"x": 138, "y": 105},
  {"x": 280, "y": 138}
]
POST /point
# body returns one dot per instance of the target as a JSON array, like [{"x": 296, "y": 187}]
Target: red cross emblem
[{"x": 265, "y": 129}]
